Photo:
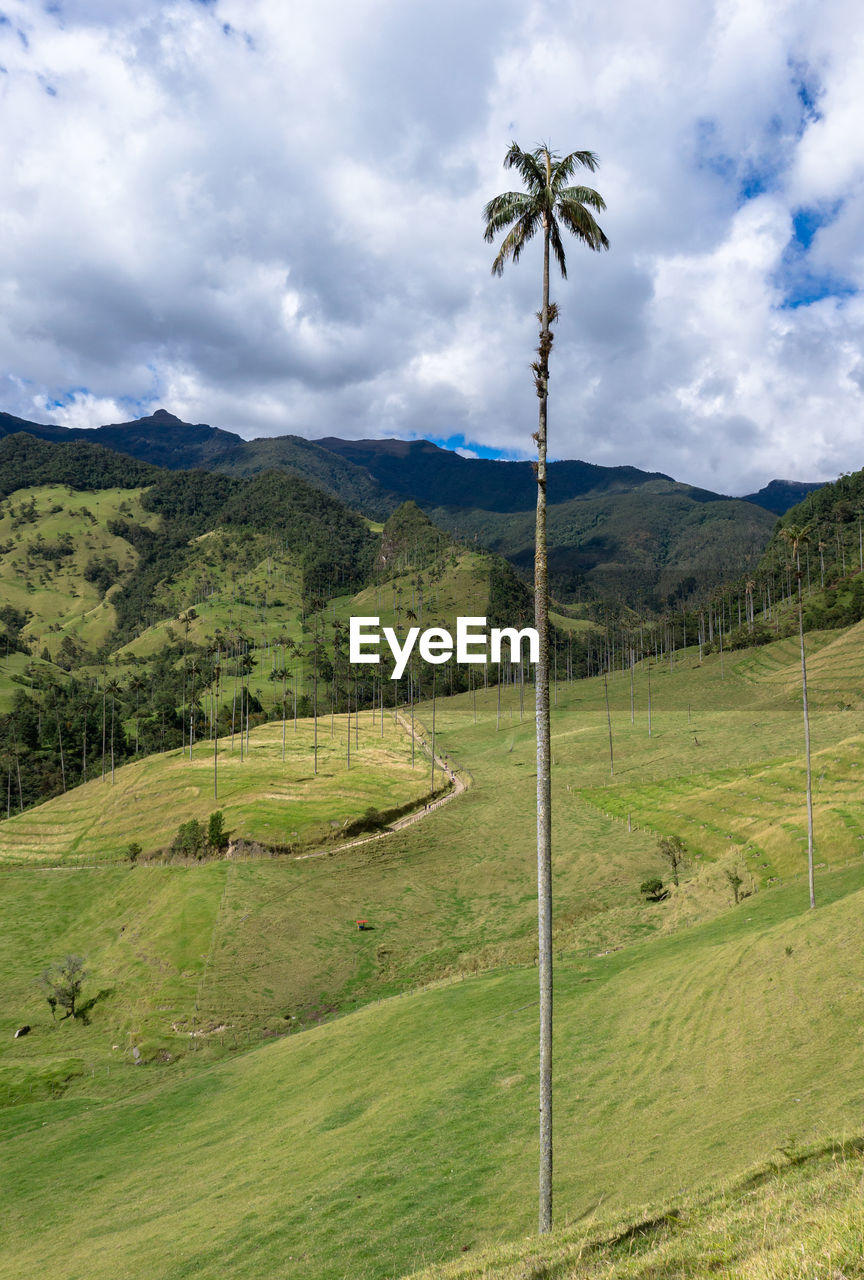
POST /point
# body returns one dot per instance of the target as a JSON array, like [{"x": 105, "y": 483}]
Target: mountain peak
[{"x": 162, "y": 415}]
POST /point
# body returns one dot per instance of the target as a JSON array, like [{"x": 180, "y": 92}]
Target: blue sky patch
[
  {"x": 482, "y": 450},
  {"x": 801, "y": 284}
]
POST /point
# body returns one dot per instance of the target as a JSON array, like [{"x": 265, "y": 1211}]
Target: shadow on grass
[{"x": 83, "y": 1011}]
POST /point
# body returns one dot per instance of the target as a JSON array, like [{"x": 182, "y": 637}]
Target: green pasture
[
  {"x": 234, "y": 584},
  {"x": 263, "y": 796},
  {"x": 795, "y": 1217},
  {"x": 54, "y": 590},
  {"x": 461, "y": 588},
  {"x": 15, "y": 675},
  {"x": 694, "y": 1037},
  {"x": 392, "y": 1138}
]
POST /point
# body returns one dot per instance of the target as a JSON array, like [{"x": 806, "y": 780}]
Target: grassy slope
[
  {"x": 462, "y": 589},
  {"x": 234, "y": 584},
  {"x": 13, "y": 676},
  {"x": 400, "y": 1134},
  {"x": 750, "y": 807},
  {"x": 791, "y": 1219},
  {"x": 55, "y": 592},
  {"x": 262, "y": 797},
  {"x": 716, "y": 1024}
]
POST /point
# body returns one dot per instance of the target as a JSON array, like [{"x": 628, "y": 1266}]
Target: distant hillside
[
  {"x": 437, "y": 477},
  {"x": 832, "y": 554},
  {"x": 615, "y": 533},
  {"x": 779, "y": 495},
  {"x": 660, "y": 542},
  {"x": 26, "y": 460},
  {"x": 618, "y": 534}
]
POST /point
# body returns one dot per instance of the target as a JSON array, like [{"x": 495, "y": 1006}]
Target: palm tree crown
[{"x": 547, "y": 203}]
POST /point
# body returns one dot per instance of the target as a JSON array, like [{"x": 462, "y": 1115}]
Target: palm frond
[
  {"x": 566, "y": 166},
  {"x": 546, "y": 199},
  {"x": 557, "y": 247},
  {"x": 502, "y": 210},
  {"x": 515, "y": 241},
  {"x": 582, "y": 224},
  {"x": 584, "y": 195},
  {"x": 527, "y": 164}
]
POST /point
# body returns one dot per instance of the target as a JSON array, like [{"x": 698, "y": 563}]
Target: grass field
[
  {"x": 693, "y": 1038},
  {"x": 233, "y": 585},
  {"x": 263, "y": 797},
  {"x": 396, "y": 1136},
  {"x": 792, "y": 1218},
  {"x": 53, "y": 587}
]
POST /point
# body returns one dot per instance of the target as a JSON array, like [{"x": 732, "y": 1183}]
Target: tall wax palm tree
[
  {"x": 547, "y": 205},
  {"x": 798, "y": 536}
]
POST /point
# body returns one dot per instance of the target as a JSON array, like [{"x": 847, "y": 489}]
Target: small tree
[
  {"x": 674, "y": 850},
  {"x": 653, "y": 889},
  {"x": 62, "y": 983},
  {"x": 189, "y": 839},
  {"x": 217, "y": 836},
  {"x": 735, "y": 883},
  {"x": 133, "y": 852}
]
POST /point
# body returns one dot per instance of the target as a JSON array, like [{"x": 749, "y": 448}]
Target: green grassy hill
[
  {"x": 403, "y": 1133},
  {"x": 796, "y": 1217},
  {"x": 54, "y": 540},
  {"x": 694, "y": 1038},
  {"x": 19, "y": 671},
  {"x": 265, "y": 797}
]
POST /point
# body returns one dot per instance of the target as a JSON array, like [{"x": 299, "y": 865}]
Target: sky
[{"x": 267, "y": 216}]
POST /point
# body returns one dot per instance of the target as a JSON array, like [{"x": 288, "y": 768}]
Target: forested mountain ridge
[
  {"x": 436, "y": 477},
  {"x": 779, "y": 495},
  {"x": 163, "y": 440},
  {"x": 157, "y": 584},
  {"x": 618, "y": 534},
  {"x": 831, "y": 553}
]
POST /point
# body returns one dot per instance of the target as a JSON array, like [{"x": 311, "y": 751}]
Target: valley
[
  {"x": 360, "y": 1100},
  {"x": 425, "y": 1022}
]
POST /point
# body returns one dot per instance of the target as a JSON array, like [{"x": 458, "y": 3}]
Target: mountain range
[{"x": 620, "y": 533}]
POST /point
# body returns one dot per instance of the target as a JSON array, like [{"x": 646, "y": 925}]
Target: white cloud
[{"x": 271, "y": 221}]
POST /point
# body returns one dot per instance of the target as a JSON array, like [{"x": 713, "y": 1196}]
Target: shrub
[
  {"x": 217, "y": 836},
  {"x": 189, "y": 839},
  {"x": 653, "y": 889}
]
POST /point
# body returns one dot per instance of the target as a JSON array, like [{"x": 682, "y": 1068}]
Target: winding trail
[{"x": 458, "y": 785}]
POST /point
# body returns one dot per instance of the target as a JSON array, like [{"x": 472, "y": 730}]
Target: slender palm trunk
[
  {"x": 315, "y": 720},
  {"x": 216, "y": 738},
  {"x": 432, "y": 783},
  {"x": 544, "y": 787},
  {"x": 18, "y": 774},
  {"x": 810, "y": 878},
  {"x": 609, "y": 724},
  {"x": 60, "y": 741}
]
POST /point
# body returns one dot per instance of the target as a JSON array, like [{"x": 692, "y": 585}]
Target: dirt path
[{"x": 457, "y": 787}]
